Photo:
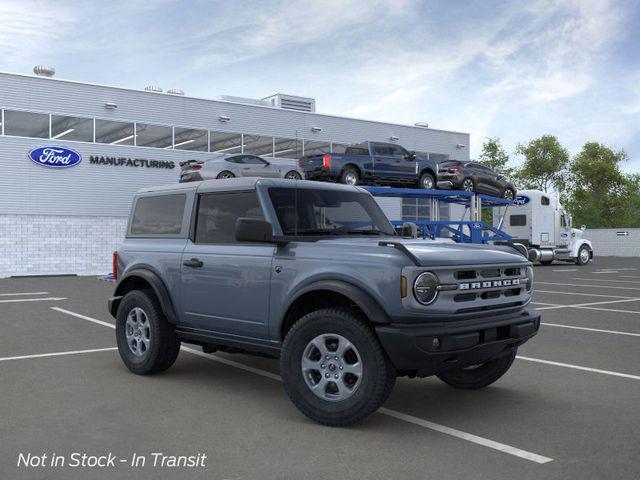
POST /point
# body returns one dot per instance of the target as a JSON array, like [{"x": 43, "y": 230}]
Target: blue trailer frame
[{"x": 460, "y": 231}]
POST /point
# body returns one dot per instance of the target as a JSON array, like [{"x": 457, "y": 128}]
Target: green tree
[
  {"x": 600, "y": 194},
  {"x": 545, "y": 164},
  {"x": 494, "y": 156}
]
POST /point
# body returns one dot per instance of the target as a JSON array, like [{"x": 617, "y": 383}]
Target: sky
[{"x": 509, "y": 69}]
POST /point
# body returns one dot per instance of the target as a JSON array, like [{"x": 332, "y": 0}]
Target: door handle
[{"x": 193, "y": 263}]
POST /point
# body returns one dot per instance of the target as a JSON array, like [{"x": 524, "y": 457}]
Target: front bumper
[{"x": 428, "y": 349}]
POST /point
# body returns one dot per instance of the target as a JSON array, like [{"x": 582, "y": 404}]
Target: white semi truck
[{"x": 538, "y": 221}]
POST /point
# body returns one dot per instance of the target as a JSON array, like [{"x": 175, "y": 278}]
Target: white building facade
[{"x": 69, "y": 220}]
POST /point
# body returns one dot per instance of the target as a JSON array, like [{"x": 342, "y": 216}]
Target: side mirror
[
  {"x": 253, "y": 230},
  {"x": 410, "y": 156},
  {"x": 407, "y": 229},
  {"x": 583, "y": 228}
]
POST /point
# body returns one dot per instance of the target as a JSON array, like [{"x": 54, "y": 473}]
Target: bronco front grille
[{"x": 487, "y": 288}]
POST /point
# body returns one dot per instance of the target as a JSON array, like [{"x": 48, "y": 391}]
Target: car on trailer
[
  {"x": 372, "y": 163},
  {"x": 474, "y": 177}
]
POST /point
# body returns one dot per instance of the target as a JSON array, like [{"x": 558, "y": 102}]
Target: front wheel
[
  {"x": 334, "y": 369},
  {"x": 508, "y": 194},
  {"x": 147, "y": 343},
  {"x": 427, "y": 181},
  {"x": 584, "y": 255},
  {"x": 468, "y": 185},
  {"x": 478, "y": 376}
]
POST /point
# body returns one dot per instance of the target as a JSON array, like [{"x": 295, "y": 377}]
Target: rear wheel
[
  {"x": 468, "y": 185},
  {"x": 147, "y": 343},
  {"x": 427, "y": 181},
  {"x": 584, "y": 255},
  {"x": 478, "y": 376},
  {"x": 350, "y": 176},
  {"x": 334, "y": 369},
  {"x": 293, "y": 175},
  {"x": 225, "y": 174}
]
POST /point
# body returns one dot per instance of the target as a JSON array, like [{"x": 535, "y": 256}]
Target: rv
[{"x": 537, "y": 220}]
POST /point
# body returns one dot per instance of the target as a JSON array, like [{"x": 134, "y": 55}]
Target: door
[
  {"x": 225, "y": 285},
  {"x": 565, "y": 229},
  {"x": 390, "y": 163},
  {"x": 254, "y": 166},
  {"x": 486, "y": 179}
]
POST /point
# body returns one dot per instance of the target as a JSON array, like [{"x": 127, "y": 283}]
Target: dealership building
[{"x": 69, "y": 220}]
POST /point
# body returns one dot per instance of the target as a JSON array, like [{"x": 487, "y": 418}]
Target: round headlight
[
  {"x": 529, "y": 278},
  {"x": 425, "y": 288}
]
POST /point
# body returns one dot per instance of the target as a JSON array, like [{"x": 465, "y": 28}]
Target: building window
[
  {"x": 157, "y": 136},
  {"x": 257, "y": 145},
  {"x": 115, "y": 133},
  {"x": 159, "y": 215},
  {"x": 190, "y": 139},
  {"x": 26, "y": 124},
  {"x": 316, "y": 148},
  {"x": 287, "y": 148},
  {"x": 226, "y": 142},
  {"x": 218, "y": 213},
  {"x": 71, "y": 128}
]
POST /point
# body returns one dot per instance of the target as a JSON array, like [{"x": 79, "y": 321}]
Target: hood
[{"x": 435, "y": 253}]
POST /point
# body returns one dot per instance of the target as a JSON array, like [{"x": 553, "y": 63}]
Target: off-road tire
[
  {"x": 378, "y": 378},
  {"x": 424, "y": 178},
  {"x": 164, "y": 345},
  {"x": 479, "y": 377},
  {"x": 345, "y": 175}
]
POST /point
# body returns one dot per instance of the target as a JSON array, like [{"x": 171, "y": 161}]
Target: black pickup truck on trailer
[{"x": 372, "y": 163}]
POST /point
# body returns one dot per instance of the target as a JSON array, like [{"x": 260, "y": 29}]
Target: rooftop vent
[
  {"x": 175, "y": 91},
  {"x": 291, "y": 102},
  {"x": 43, "y": 71},
  {"x": 153, "y": 88},
  {"x": 422, "y": 124}
]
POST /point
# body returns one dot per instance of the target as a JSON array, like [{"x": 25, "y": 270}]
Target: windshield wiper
[
  {"x": 363, "y": 232},
  {"x": 316, "y": 231}
]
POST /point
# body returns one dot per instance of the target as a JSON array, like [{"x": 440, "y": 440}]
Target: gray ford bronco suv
[{"x": 314, "y": 273}]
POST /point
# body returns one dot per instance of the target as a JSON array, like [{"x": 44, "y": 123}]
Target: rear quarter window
[{"x": 158, "y": 215}]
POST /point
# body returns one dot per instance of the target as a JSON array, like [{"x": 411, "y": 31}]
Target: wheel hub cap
[
  {"x": 138, "y": 332},
  {"x": 332, "y": 367}
]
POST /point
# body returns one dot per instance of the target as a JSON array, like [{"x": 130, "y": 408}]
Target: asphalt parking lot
[{"x": 568, "y": 408}]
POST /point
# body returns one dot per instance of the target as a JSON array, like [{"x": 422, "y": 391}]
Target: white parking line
[
  {"x": 616, "y": 332},
  {"x": 27, "y": 293},
  {"x": 579, "y": 367},
  {"x": 629, "y": 276},
  {"x": 58, "y": 354},
  {"x": 466, "y": 436},
  {"x": 587, "y": 286},
  {"x": 384, "y": 411},
  {"x": 566, "y": 270},
  {"x": 611, "y": 310},
  {"x": 582, "y": 294},
  {"x": 606, "y": 280},
  {"x": 590, "y": 305},
  {"x": 17, "y": 300}
]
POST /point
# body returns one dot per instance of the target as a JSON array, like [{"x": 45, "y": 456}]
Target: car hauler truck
[{"x": 538, "y": 221}]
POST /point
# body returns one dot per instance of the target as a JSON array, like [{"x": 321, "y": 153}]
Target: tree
[
  {"x": 494, "y": 156},
  {"x": 545, "y": 164},
  {"x": 601, "y": 195}
]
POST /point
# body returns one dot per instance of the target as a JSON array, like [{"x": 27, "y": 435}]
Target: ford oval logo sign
[
  {"x": 55, "y": 157},
  {"x": 521, "y": 200}
]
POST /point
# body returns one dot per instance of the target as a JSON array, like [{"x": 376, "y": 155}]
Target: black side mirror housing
[
  {"x": 411, "y": 155},
  {"x": 256, "y": 230}
]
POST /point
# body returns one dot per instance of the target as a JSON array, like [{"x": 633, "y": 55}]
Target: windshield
[{"x": 328, "y": 212}]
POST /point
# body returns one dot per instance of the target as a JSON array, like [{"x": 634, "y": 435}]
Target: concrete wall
[{"x": 611, "y": 242}]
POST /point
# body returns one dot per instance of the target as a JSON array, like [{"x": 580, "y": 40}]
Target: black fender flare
[
  {"x": 369, "y": 306},
  {"x": 157, "y": 285}
]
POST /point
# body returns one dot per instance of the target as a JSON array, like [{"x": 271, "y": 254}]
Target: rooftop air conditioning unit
[
  {"x": 291, "y": 102},
  {"x": 43, "y": 71}
]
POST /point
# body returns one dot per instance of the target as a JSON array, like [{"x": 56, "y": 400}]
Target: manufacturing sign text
[
  {"x": 130, "y": 162},
  {"x": 55, "y": 157}
]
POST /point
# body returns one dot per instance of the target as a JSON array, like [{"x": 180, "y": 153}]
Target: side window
[
  {"x": 398, "y": 151},
  {"x": 238, "y": 159},
  {"x": 544, "y": 201},
  {"x": 563, "y": 221},
  {"x": 158, "y": 215},
  {"x": 253, "y": 160},
  {"x": 517, "y": 220},
  {"x": 218, "y": 212},
  {"x": 381, "y": 150}
]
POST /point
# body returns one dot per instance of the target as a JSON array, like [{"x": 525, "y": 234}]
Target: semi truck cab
[{"x": 538, "y": 220}]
